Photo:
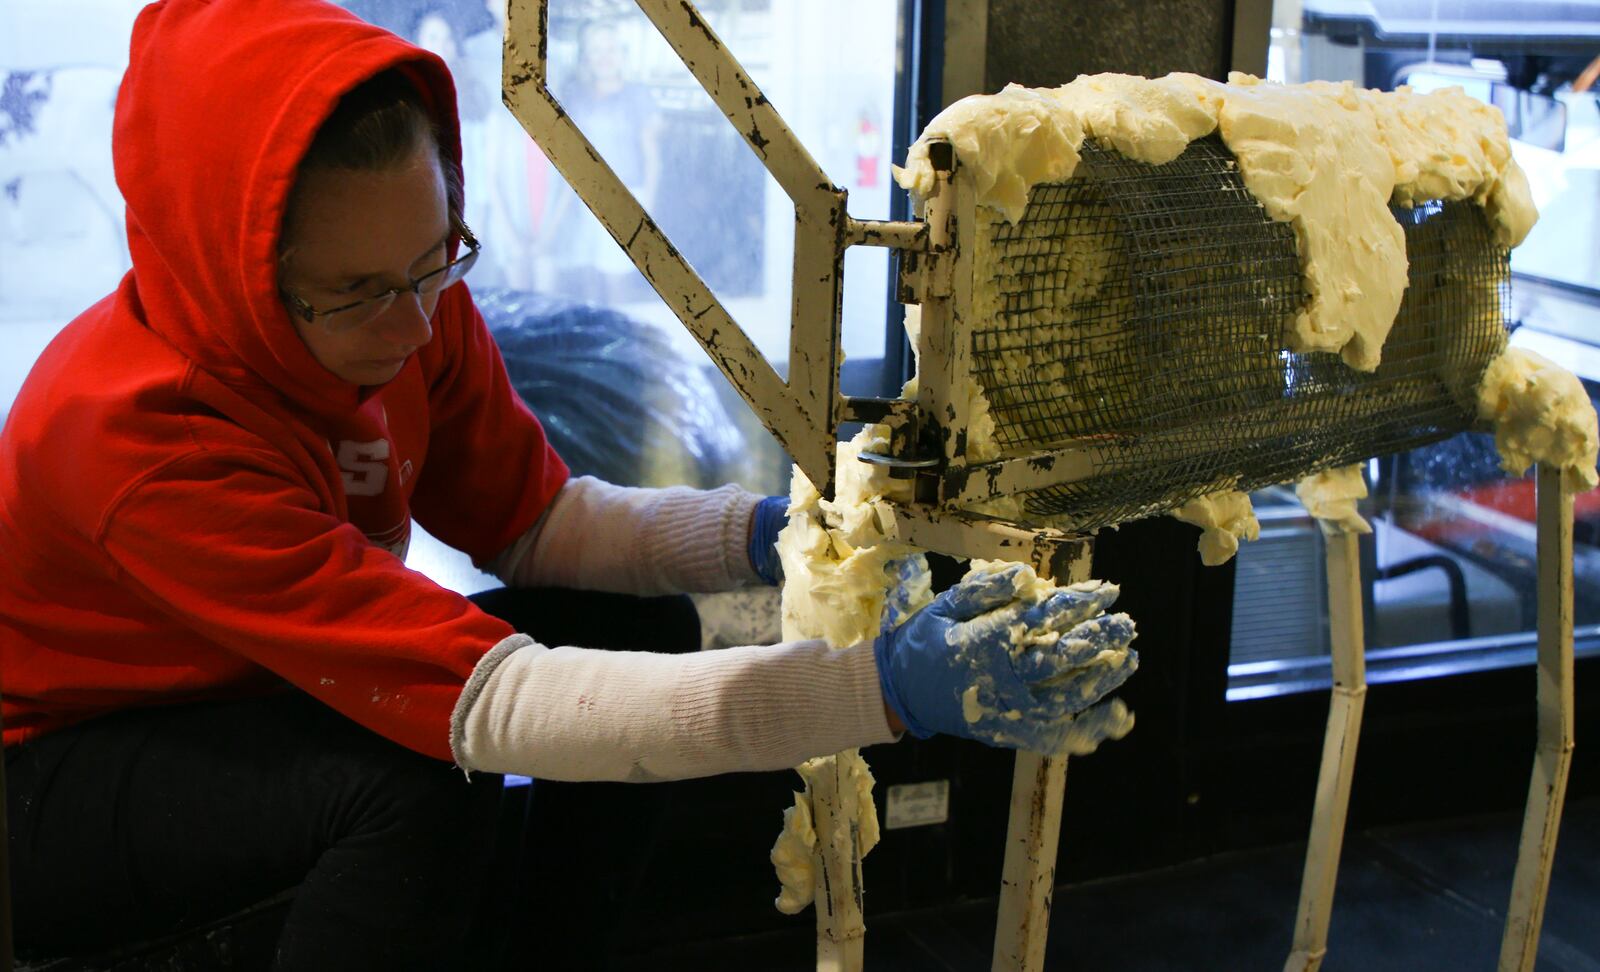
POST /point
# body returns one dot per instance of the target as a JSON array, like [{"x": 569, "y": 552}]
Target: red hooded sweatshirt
[{"x": 191, "y": 507}]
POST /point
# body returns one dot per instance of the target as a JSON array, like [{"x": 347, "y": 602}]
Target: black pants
[{"x": 147, "y": 821}]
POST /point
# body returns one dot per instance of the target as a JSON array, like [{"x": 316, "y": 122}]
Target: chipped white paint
[
  {"x": 804, "y": 412},
  {"x": 1547, "y": 789},
  {"x": 1338, "y": 754}
]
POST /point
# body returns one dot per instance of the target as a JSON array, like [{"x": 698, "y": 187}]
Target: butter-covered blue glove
[
  {"x": 1005, "y": 661},
  {"x": 769, "y": 517}
]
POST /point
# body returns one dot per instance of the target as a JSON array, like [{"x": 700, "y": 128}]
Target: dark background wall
[{"x": 1050, "y": 42}]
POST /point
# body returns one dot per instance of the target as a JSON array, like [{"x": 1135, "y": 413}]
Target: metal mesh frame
[{"x": 1140, "y": 311}]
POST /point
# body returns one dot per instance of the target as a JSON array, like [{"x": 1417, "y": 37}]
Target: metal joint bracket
[
  {"x": 866, "y": 409},
  {"x": 907, "y": 454},
  {"x": 1051, "y": 553},
  {"x": 925, "y": 276},
  {"x": 907, "y": 235}
]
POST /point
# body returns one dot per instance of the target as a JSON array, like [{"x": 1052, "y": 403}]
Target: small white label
[{"x": 917, "y": 804}]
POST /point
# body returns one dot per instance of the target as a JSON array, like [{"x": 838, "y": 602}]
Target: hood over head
[{"x": 220, "y": 102}]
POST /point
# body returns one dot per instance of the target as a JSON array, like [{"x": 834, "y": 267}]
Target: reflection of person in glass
[
  {"x": 435, "y": 33},
  {"x": 221, "y": 681},
  {"x": 483, "y": 120},
  {"x": 516, "y": 176},
  {"x": 621, "y": 121}
]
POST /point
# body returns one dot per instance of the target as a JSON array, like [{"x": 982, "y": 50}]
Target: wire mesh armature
[{"x": 1139, "y": 311}]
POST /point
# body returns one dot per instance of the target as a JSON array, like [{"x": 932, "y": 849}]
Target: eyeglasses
[{"x": 357, "y": 313}]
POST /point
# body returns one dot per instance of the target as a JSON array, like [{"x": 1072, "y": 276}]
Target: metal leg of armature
[
  {"x": 1037, "y": 786},
  {"x": 1338, "y": 755},
  {"x": 1553, "y": 755},
  {"x": 836, "y": 812}
]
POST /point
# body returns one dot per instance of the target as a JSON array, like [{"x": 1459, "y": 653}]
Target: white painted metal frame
[
  {"x": 1552, "y": 756},
  {"x": 1552, "y": 759},
  {"x": 838, "y": 891},
  {"x": 944, "y": 346},
  {"x": 1033, "y": 832},
  {"x": 804, "y": 413},
  {"x": 944, "y": 368},
  {"x": 1338, "y": 753}
]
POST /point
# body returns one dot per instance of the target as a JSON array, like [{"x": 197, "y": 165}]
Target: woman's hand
[
  {"x": 767, "y": 518},
  {"x": 1001, "y": 661}
]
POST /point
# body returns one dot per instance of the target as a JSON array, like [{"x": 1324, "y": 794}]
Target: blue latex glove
[
  {"x": 770, "y": 516},
  {"x": 913, "y": 587},
  {"x": 986, "y": 662}
]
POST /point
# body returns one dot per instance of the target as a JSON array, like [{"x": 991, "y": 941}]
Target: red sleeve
[
  {"x": 234, "y": 548},
  {"x": 490, "y": 472}
]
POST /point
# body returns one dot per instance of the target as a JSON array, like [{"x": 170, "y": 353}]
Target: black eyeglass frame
[{"x": 460, "y": 265}]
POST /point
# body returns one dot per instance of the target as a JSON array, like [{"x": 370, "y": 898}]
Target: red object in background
[
  {"x": 1516, "y": 498},
  {"x": 869, "y": 153},
  {"x": 537, "y": 168}
]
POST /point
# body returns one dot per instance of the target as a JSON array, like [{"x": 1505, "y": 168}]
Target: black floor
[
  {"x": 1421, "y": 898},
  {"x": 1418, "y": 898}
]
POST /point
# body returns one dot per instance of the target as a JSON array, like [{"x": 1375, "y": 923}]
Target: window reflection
[
  {"x": 620, "y": 116},
  {"x": 1448, "y": 573},
  {"x": 62, "y": 239},
  {"x": 592, "y": 347}
]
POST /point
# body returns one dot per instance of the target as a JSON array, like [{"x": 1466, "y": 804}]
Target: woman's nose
[{"x": 409, "y": 319}]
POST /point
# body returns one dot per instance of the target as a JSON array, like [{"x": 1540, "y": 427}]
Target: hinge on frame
[{"x": 924, "y": 276}]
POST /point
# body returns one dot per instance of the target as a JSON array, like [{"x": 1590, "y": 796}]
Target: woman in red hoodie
[{"x": 220, "y": 680}]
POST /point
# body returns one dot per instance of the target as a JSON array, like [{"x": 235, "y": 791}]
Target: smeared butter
[
  {"x": 1331, "y": 497},
  {"x": 1224, "y": 518},
  {"x": 1328, "y": 158},
  {"x": 1540, "y": 413}
]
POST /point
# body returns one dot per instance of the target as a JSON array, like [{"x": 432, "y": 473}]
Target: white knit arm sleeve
[
  {"x": 633, "y": 540},
  {"x": 585, "y": 714}
]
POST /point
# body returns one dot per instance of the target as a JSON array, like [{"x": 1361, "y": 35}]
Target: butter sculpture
[
  {"x": 1327, "y": 158},
  {"x": 1540, "y": 413}
]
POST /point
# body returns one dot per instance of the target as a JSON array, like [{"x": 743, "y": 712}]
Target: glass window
[
  {"x": 62, "y": 241},
  {"x": 674, "y": 149},
  {"x": 625, "y": 391},
  {"x": 1448, "y": 572}
]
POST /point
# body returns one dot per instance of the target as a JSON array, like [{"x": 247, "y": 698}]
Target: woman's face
[{"x": 351, "y": 234}]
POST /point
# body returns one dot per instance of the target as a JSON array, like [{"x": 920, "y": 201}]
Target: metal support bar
[
  {"x": 877, "y": 410},
  {"x": 876, "y": 232},
  {"x": 1338, "y": 755},
  {"x": 1038, "y": 784},
  {"x": 944, "y": 345},
  {"x": 841, "y": 926},
  {"x": 817, "y": 308},
  {"x": 1547, "y": 789},
  {"x": 1051, "y": 553},
  {"x": 803, "y": 413},
  {"x": 963, "y": 485}
]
